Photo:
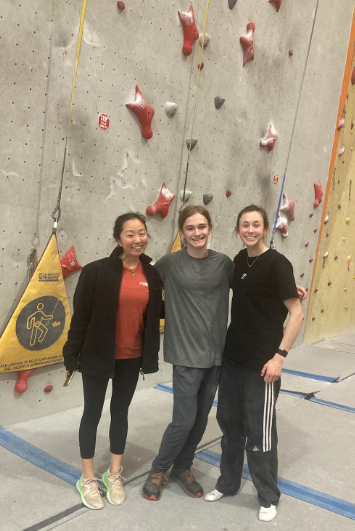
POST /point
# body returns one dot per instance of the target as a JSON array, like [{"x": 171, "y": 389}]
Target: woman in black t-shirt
[{"x": 264, "y": 292}]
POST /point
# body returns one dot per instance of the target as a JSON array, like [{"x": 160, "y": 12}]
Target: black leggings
[{"x": 123, "y": 386}]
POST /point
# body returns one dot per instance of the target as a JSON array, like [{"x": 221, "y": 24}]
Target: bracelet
[{"x": 282, "y": 352}]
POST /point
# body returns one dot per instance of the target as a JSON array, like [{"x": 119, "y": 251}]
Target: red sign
[
  {"x": 276, "y": 179},
  {"x": 104, "y": 121}
]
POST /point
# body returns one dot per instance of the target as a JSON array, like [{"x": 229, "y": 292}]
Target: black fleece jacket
[{"x": 92, "y": 335}]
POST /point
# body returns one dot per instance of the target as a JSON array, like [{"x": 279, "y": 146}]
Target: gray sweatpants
[{"x": 194, "y": 392}]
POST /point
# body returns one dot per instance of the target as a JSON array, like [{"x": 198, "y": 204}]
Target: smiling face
[
  {"x": 133, "y": 239},
  {"x": 252, "y": 231},
  {"x": 195, "y": 232}
]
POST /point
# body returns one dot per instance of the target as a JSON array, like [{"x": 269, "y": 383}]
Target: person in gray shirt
[{"x": 197, "y": 283}]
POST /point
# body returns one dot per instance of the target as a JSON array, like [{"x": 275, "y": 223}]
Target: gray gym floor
[{"x": 316, "y": 425}]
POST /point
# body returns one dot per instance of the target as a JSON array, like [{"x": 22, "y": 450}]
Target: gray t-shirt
[{"x": 196, "y": 307}]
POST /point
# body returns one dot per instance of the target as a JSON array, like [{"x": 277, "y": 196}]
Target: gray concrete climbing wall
[{"x": 111, "y": 171}]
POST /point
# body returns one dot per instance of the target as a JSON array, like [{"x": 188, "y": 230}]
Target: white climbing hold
[
  {"x": 170, "y": 109},
  {"x": 206, "y": 41}
]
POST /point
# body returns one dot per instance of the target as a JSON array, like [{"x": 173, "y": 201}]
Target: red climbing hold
[
  {"x": 311, "y": 215},
  {"x": 302, "y": 275},
  {"x": 315, "y": 291},
  {"x": 306, "y": 244},
  {"x": 310, "y": 260},
  {"x": 143, "y": 112},
  {"x": 200, "y": 66},
  {"x": 313, "y": 318},
  {"x": 269, "y": 140},
  {"x": 247, "y": 43},
  {"x": 336, "y": 257},
  {"x": 315, "y": 230},
  {"x": 190, "y": 30},
  {"x": 162, "y": 204},
  {"x": 277, "y": 4},
  {"x": 121, "y": 6},
  {"x": 281, "y": 226},
  {"x": 290, "y": 53},
  {"x": 69, "y": 262},
  {"x": 21, "y": 380},
  {"x": 329, "y": 283},
  {"x": 276, "y": 179},
  {"x": 48, "y": 388},
  {"x": 318, "y": 193},
  {"x": 228, "y": 193},
  {"x": 288, "y": 207},
  {"x": 353, "y": 77}
]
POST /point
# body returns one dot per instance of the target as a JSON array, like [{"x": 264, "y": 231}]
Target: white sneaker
[
  {"x": 115, "y": 491},
  {"x": 89, "y": 491},
  {"x": 266, "y": 514},
  {"x": 215, "y": 495}
]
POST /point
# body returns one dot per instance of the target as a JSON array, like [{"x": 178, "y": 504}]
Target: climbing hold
[
  {"x": 232, "y": 3},
  {"x": 162, "y": 204},
  {"x": 191, "y": 143},
  {"x": 339, "y": 206},
  {"x": 327, "y": 235},
  {"x": 315, "y": 230},
  {"x": 311, "y": 215},
  {"x": 306, "y": 244},
  {"x": 326, "y": 219},
  {"x": 276, "y": 179},
  {"x": 290, "y": 53},
  {"x": 190, "y": 30},
  {"x": 341, "y": 151},
  {"x": 313, "y": 318},
  {"x": 310, "y": 260},
  {"x": 353, "y": 77},
  {"x": 318, "y": 194},
  {"x": 200, "y": 66},
  {"x": 121, "y": 6},
  {"x": 345, "y": 307},
  {"x": 288, "y": 207},
  {"x": 185, "y": 197},
  {"x": 352, "y": 124},
  {"x": 21, "y": 380},
  {"x": 344, "y": 289},
  {"x": 205, "y": 42},
  {"x": 347, "y": 221},
  {"x": 143, "y": 112},
  {"x": 325, "y": 256},
  {"x": 207, "y": 198},
  {"x": 336, "y": 257},
  {"x": 218, "y": 102},
  {"x": 343, "y": 239},
  {"x": 228, "y": 193},
  {"x": 306, "y": 290},
  {"x": 270, "y": 139},
  {"x": 281, "y": 226},
  {"x": 69, "y": 262},
  {"x": 321, "y": 311},
  {"x": 329, "y": 283},
  {"x": 315, "y": 291},
  {"x": 277, "y": 4},
  {"x": 247, "y": 43},
  {"x": 349, "y": 260},
  {"x": 48, "y": 388},
  {"x": 170, "y": 108},
  {"x": 302, "y": 275},
  {"x": 341, "y": 122}
]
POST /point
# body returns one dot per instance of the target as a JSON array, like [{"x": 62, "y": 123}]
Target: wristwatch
[{"x": 282, "y": 352}]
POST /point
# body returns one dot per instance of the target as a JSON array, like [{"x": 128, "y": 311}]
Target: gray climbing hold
[
  {"x": 192, "y": 142},
  {"x": 232, "y": 3},
  {"x": 218, "y": 102},
  {"x": 206, "y": 41},
  {"x": 207, "y": 198},
  {"x": 170, "y": 109}
]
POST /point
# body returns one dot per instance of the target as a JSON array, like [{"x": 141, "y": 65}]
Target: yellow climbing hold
[
  {"x": 345, "y": 307},
  {"x": 347, "y": 221},
  {"x": 343, "y": 239},
  {"x": 344, "y": 289}
]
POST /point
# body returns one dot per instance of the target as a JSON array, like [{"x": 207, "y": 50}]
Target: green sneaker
[
  {"x": 187, "y": 481},
  {"x": 115, "y": 491},
  {"x": 89, "y": 492}
]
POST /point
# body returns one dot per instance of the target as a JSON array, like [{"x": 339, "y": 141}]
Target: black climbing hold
[
  {"x": 218, "y": 102},
  {"x": 207, "y": 198},
  {"x": 232, "y": 3},
  {"x": 191, "y": 142}
]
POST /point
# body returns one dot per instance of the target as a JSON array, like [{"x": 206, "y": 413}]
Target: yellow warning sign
[
  {"x": 176, "y": 247},
  {"x": 38, "y": 328}
]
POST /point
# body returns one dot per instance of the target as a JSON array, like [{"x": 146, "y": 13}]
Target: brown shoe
[{"x": 153, "y": 485}]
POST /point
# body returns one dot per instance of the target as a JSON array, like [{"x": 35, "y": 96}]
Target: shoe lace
[
  {"x": 159, "y": 477},
  {"x": 92, "y": 486},
  {"x": 189, "y": 476},
  {"x": 116, "y": 479}
]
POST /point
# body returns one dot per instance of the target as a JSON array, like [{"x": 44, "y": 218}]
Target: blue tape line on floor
[
  {"x": 332, "y": 404},
  {"x": 169, "y": 389},
  {"x": 311, "y": 376},
  {"x": 38, "y": 457},
  {"x": 292, "y": 393},
  {"x": 335, "y": 505}
]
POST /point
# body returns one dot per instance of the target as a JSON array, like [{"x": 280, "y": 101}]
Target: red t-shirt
[{"x": 132, "y": 306}]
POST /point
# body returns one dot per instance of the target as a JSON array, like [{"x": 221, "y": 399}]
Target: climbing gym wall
[
  {"x": 332, "y": 304},
  {"x": 158, "y": 120}
]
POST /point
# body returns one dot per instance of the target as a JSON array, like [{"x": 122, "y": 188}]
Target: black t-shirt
[{"x": 258, "y": 312}]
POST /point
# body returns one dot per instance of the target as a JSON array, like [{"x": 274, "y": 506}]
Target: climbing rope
[
  {"x": 194, "y": 111},
  {"x": 272, "y": 244},
  {"x": 57, "y": 211}
]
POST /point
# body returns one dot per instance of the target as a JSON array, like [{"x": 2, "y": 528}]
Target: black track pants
[
  {"x": 246, "y": 415},
  {"x": 123, "y": 386}
]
